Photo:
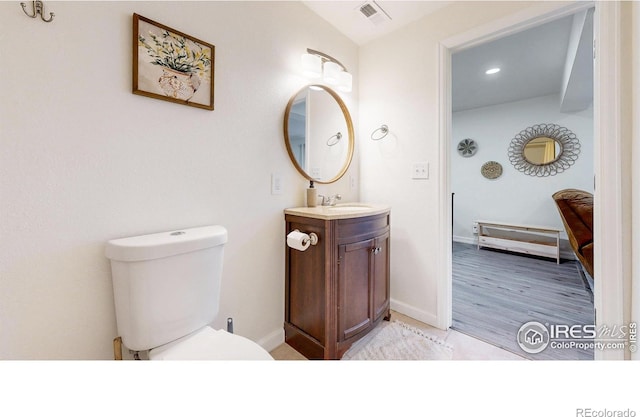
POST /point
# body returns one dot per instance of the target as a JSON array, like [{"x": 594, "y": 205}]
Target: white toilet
[{"x": 167, "y": 291}]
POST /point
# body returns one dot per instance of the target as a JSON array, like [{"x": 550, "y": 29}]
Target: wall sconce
[{"x": 316, "y": 64}]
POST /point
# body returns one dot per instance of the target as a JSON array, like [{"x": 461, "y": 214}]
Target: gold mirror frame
[
  {"x": 350, "y": 134},
  {"x": 567, "y": 155}
]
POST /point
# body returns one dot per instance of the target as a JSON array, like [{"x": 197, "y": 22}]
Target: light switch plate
[
  {"x": 276, "y": 183},
  {"x": 316, "y": 173},
  {"x": 420, "y": 171}
]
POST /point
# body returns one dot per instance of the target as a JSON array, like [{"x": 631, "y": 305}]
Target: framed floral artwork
[{"x": 169, "y": 65}]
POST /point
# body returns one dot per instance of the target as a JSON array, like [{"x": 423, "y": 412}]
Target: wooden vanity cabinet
[{"x": 337, "y": 290}]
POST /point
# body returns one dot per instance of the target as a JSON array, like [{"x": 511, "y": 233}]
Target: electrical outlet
[
  {"x": 276, "y": 183},
  {"x": 475, "y": 228},
  {"x": 420, "y": 171},
  {"x": 352, "y": 182}
]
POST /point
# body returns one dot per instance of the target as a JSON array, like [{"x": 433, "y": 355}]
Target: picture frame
[{"x": 172, "y": 66}]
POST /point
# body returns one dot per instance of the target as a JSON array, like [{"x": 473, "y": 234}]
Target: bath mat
[{"x": 398, "y": 341}]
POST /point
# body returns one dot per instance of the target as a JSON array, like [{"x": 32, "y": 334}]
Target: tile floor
[{"x": 464, "y": 347}]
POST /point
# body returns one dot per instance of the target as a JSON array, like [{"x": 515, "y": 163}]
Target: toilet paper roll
[{"x": 298, "y": 240}]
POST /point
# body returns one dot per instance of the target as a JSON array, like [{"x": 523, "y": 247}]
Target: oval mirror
[{"x": 318, "y": 134}]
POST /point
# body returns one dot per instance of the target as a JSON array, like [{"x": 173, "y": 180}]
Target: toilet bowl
[
  {"x": 210, "y": 344},
  {"x": 166, "y": 290}
]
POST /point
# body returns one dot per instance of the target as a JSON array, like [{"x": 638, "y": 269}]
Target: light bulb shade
[
  {"x": 345, "y": 81},
  {"x": 311, "y": 65},
  {"x": 331, "y": 73}
]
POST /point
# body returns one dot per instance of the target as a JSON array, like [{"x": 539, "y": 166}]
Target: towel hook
[
  {"x": 331, "y": 141},
  {"x": 38, "y": 9},
  {"x": 384, "y": 130}
]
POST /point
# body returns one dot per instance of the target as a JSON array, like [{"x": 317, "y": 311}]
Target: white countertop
[{"x": 339, "y": 211}]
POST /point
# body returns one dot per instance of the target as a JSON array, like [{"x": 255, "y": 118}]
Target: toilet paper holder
[{"x": 312, "y": 236}]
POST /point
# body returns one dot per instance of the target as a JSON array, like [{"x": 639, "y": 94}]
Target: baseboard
[
  {"x": 415, "y": 313},
  {"x": 272, "y": 340},
  {"x": 464, "y": 239}
]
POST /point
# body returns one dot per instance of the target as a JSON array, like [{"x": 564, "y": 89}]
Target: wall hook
[{"x": 38, "y": 9}]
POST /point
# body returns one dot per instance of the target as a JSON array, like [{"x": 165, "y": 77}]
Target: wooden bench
[{"x": 532, "y": 240}]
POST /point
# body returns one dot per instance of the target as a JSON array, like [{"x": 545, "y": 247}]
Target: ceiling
[
  {"x": 392, "y": 15},
  {"x": 554, "y": 58},
  {"x": 532, "y": 63}
]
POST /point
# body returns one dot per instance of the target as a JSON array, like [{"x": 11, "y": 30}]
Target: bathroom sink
[
  {"x": 350, "y": 208},
  {"x": 339, "y": 211}
]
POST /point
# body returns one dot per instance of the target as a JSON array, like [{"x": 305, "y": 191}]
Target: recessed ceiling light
[{"x": 492, "y": 71}]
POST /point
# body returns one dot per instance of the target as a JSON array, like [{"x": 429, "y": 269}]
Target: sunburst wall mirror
[{"x": 544, "y": 150}]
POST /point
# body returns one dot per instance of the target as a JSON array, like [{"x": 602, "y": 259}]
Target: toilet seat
[{"x": 210, "y": 344}]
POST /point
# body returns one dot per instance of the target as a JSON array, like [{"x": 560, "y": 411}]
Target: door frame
[{"x": 608, "y": 209}]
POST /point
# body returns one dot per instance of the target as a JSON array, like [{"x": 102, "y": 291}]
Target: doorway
[
  {"x": 608, "y": 216},
  {"x": 501, "y": 89}
]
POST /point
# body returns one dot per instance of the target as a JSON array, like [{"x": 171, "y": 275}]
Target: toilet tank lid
[{"x": 164, "y": 244}]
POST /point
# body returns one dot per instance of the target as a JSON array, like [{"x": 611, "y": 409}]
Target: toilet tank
[{"x": 166, "y": 285}]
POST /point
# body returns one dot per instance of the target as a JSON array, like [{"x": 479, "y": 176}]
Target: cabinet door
[
  {"x": 380, "y": 279},
  {"x": 354, "y": 288}
]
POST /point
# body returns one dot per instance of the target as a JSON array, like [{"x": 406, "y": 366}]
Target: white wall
[
  {"x": 83, "y": 161},
  {"x": 514, "y": 197},
  {"x": 399, "y": 87}
]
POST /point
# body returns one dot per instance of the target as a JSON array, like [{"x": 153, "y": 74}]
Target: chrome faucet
[{"x": 329, "y": 201}]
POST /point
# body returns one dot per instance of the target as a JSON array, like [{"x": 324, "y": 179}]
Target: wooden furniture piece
[
  {"x": 532, "y": 240},
  {"x": 337, "y": 290}
]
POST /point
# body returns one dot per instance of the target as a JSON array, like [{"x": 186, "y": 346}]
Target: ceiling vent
[{"x": 374, "y": 13}]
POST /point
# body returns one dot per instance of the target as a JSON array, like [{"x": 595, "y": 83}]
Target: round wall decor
[
  {"x": 544, "y": 150},
  {"x": 491, "y": 170},
  {"x": 467, "y": 147}
]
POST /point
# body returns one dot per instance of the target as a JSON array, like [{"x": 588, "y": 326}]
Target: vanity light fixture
[
  {"x": 492, "y": 71},
  {"x": 312, "y": 65},
  {"x": 345, "y": 81},
  {"x": 330, "y": 73},
  {"x": 316, "y": 64}
]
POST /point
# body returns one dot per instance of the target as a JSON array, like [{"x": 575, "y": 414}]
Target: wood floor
[{"x": 494, "y": 293}]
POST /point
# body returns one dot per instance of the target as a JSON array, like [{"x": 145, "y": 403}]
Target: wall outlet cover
[{"x": 420, "y": 171}]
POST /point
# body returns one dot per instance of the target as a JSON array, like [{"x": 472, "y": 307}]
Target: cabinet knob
[{"x": 376, "y": 251}]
